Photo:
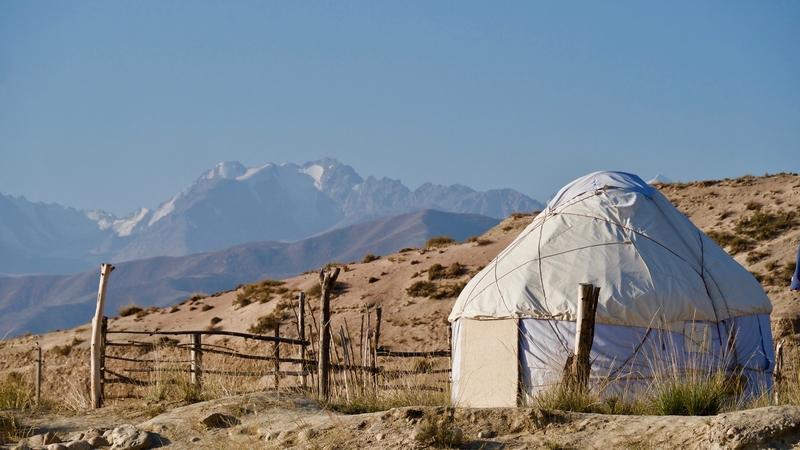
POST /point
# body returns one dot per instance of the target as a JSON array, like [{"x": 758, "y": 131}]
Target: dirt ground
[{"x": 272, "y": 420}]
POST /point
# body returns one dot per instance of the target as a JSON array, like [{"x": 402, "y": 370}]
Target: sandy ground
[{"x": 269, "y": 420}]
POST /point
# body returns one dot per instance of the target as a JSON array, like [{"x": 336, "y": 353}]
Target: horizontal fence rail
[
  {"x": 437, "y": 353},
  {"x": 257, "y": 337}
]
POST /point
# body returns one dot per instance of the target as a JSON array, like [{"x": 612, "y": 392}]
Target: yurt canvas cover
[{"x": 670, "y": 297}]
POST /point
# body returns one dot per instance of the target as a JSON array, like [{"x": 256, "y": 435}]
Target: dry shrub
[
  {"x": 197, "y": 296},
  {"x": 764, "y": 226},
  {"x": 369, "y": 258},
  {"x": 478, "y": 241},
  {"x": 753, "y": 206},
  {"x": 62, "y": 350},
  {"x": 338, "y": 288},
  {"x": 449, "y": 290},
  {"x": 145, "y": 312},
  {"x": 439, "y": 241},
  {"x": 260, "y": 292},
  {"x": 437, "y": 271},
  {"x": 421, "y": 289},
  {"x": 266, "y": 324},
  {"x": 130, "y": 310},
  {"x": 754, "y": 257},
  {"x": 735, "y": 244},
  {"x": 520, "y": 215},
  {"x": 439, "y": 431}
]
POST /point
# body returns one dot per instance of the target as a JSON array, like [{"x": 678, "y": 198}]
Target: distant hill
[
  {"x": 44, "y": 303},
  {"x": 226, "y": 206}
]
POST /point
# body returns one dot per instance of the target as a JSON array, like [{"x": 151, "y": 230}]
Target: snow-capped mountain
[
  {"x": 227, "y": 205},
  {"x": 659, "y": 179}
]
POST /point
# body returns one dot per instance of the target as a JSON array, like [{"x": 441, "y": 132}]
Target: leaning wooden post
[
  {"x": 301, "y": 327},
  {"x": 584, "y": 335},
  {"x": 97, "y": 392},
  {"x": 326, "y": 280},
  {"x": 778, "y": 372},
  {"x": 277, "y": 352},
  {"x": 38, "y": 373},
  {"x": 196, "y": 357}
]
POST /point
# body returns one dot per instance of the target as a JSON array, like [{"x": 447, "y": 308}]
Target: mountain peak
[
  {"x": 226, "y": 169},
  {"x": 659, "y": 179}
]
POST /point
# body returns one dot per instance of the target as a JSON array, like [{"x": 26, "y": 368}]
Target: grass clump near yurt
[
  {"x": 15, "y": 392},
  {"x": 439, "y": 431}
]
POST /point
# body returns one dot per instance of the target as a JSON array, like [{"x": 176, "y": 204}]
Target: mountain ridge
[
  {"x": 43, "y": 303},
  {"x": 227, "y": 205}
]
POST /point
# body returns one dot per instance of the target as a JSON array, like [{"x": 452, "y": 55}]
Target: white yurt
[{"x": 670, "y": 298}]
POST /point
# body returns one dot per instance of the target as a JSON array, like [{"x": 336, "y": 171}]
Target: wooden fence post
[
  {"x": 301, "y": 327},
  {"x": 97, "y": 392},
  {"x": 584, "y": 336},
  {"x": 778, "y": 372},
  {"x": 326, "y": 280},
  {"x": 196, "y": 356},
  {"x": 103, "y": 337},
  {"x": 277, "y": 352},
  {"x": 38, "y": 374},
  {"x": 378, "y": 312},
  {"x": 450, "y": 350}
]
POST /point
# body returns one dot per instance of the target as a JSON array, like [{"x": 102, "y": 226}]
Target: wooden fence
[{"x": 331, "y": 362}]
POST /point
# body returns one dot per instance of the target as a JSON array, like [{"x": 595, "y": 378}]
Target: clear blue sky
[{"x": 117, "y": 105}]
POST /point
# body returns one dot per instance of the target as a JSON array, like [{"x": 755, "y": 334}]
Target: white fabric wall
[{"x": 544, "y": 346}]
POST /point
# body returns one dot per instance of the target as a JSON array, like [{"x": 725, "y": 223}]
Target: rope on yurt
[
  {"x": 561, "y": 339},
  {"x": 730, "y": 342}
]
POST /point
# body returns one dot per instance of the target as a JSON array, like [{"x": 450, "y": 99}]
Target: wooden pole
[
  {"x": 366, "y": 350},
  {"x": 277, "y": 352},
  {"x": 97, "y": 393},
  {"x": 312, "y": 373},
  {"x": 450, "y": 348},
  {"x": 584, "y": 335},
  {"x": 103, "y": 337},
  {"x": 378, "y": 312},
  {"x": 38, "y": 374},
  {"x": 778, "y": 373},
  {"x": 361, "y": 351},
  {"x": 346, "y": 360},
  {"x": 326, "y": 280},
  {"x": 196, "y": 356},
  {"x": 301, "y": 327}
]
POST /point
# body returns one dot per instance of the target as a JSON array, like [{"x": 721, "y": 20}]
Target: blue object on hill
[{"x": 796, "y": 278}]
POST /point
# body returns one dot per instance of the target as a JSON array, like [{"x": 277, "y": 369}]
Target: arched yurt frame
[{"x": 671, "y": 299}]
